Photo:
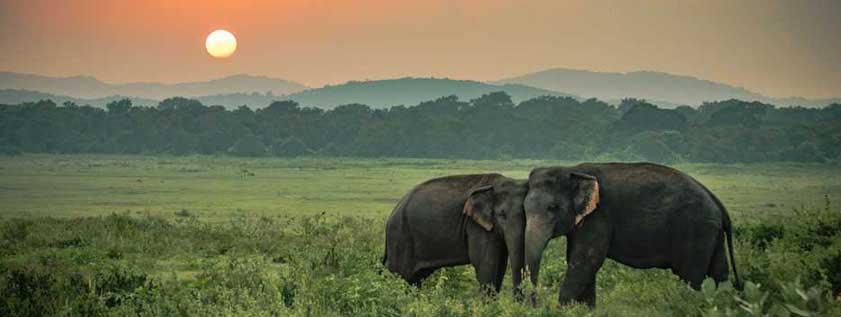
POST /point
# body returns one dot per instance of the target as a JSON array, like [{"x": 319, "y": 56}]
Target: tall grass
[{"x": 328, "y": 265}]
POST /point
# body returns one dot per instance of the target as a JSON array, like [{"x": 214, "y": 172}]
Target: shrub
[{"x": 759, "y": 235}]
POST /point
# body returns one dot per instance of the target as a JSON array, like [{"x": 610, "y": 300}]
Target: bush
[
  {"x": 15, "y": 230},
  {"x": 50, "y": 290},
  {"x": 759, "y": 235}
]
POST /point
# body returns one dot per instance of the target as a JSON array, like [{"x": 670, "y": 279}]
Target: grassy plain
[
  {"x": 217, "y": 187},
  {"x": 89, "y": 235}
]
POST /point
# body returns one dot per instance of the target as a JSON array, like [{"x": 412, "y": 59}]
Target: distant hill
[
  {"x": 230, "y": 101},
  {"x": 377, "y": 94},
  {"x": 409, "y": 91},
  {"x": 89, "y": 87},
  {"x": 664, "y": 89},
  {"x": 16, "y": 96},
  {"x": 800, "y": 101}
]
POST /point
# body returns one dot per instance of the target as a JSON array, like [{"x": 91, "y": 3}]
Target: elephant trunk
[
  {"x": 516, "y": 252},
  {"x": 537, "y": 236}
]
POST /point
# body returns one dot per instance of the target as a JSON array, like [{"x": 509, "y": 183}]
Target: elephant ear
[
  {"x": 479, "y": 206},
  {"x": 586, "y": 196}
]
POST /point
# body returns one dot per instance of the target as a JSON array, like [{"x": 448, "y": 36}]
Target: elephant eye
[
  {"x": 501, "y": 213},
  {"x": 554, "y": 207}
]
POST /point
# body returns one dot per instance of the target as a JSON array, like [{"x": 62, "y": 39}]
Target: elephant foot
[
  {"x": 588, "y": 299},
  {"x": 532, "y": 299},
  {"x": 518, "y": 294}
]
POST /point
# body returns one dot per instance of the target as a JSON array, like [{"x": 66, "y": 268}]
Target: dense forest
[{"x": 488, "y": 127}]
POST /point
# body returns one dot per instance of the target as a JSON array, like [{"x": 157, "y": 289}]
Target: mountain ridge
[
  {"x": 409, "y": 91},
  {"x": 17, "y": 96},
  {"x": 660, "y": 88},
  {"x": 88, "y": 87},
  {"x": 650, "y": 85}
]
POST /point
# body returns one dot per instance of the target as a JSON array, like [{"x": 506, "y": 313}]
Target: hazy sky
[{"x": 778, "y": 48}]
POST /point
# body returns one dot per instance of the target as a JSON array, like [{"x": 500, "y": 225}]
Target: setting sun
[{"x": 221, "y": 44}]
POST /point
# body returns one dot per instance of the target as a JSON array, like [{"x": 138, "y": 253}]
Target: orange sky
[{"x": 776, "y": 48}]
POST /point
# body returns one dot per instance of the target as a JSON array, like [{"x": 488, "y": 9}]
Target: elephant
[
  {"x": 455, "y": 220},
  {"x": 642, "y": 215}
]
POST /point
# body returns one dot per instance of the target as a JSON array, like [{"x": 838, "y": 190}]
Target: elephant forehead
[
  {"x": 511, "y": 185},
  {"x": 546, "y": 177}
]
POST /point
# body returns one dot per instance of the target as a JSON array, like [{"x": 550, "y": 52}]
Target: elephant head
[
  {"x": 500, "y": 206},
  {"x": 558, "y": 201}
]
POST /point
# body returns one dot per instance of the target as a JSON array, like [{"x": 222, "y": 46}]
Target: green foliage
[
  {"x": 248, "y": 145},
  {"x": 642, "y": 116},
  {"x": 794, "y": 299},
  {"x": 48, "y": 285},
  {"x": 735, "y": 113},
  {"x": 761, "y": 234},
  {"x": 329, "y": 265},
  {"x": 662, "y": 146},
  {"x": 117, "y": 106},
  {"x": 488, "y": 127}
]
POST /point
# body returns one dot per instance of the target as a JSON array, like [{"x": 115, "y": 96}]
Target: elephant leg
[
  {"x": 586, "y": 251},
  {"x": 419, "y": 276},
  {"x": 589, "y": 294},
  {"x": 490, "y": 259},
  {"x": 502, "y": 266},
  {"x": 719, "y": 270},
  {"x": 694, "y": 252}
]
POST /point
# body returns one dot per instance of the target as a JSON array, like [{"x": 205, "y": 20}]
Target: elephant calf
[
  {"x": 639, "y": 214},
  {"x": 456, "y": 220}
]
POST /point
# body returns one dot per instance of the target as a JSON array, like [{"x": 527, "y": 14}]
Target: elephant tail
[{"x": 728, "y": 231}]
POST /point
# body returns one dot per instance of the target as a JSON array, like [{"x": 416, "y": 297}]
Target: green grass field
[
  {"x": 217, "y": 187},
  {"x": 303, "y": 236}
]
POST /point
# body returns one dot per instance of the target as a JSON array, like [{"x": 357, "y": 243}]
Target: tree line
[{"x": 488, "y": 127}]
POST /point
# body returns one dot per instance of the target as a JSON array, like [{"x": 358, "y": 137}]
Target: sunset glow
[{"x": 331, "y": 42}]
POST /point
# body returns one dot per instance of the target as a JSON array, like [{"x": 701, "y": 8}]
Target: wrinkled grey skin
[
  {"x": 647, "y": 216},
  {"x": 456, "y": 220}
]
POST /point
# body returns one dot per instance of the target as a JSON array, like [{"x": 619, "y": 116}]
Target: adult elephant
[
  {"x": 639, "y": 214},
  {"x": 456, "y": 220}
]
